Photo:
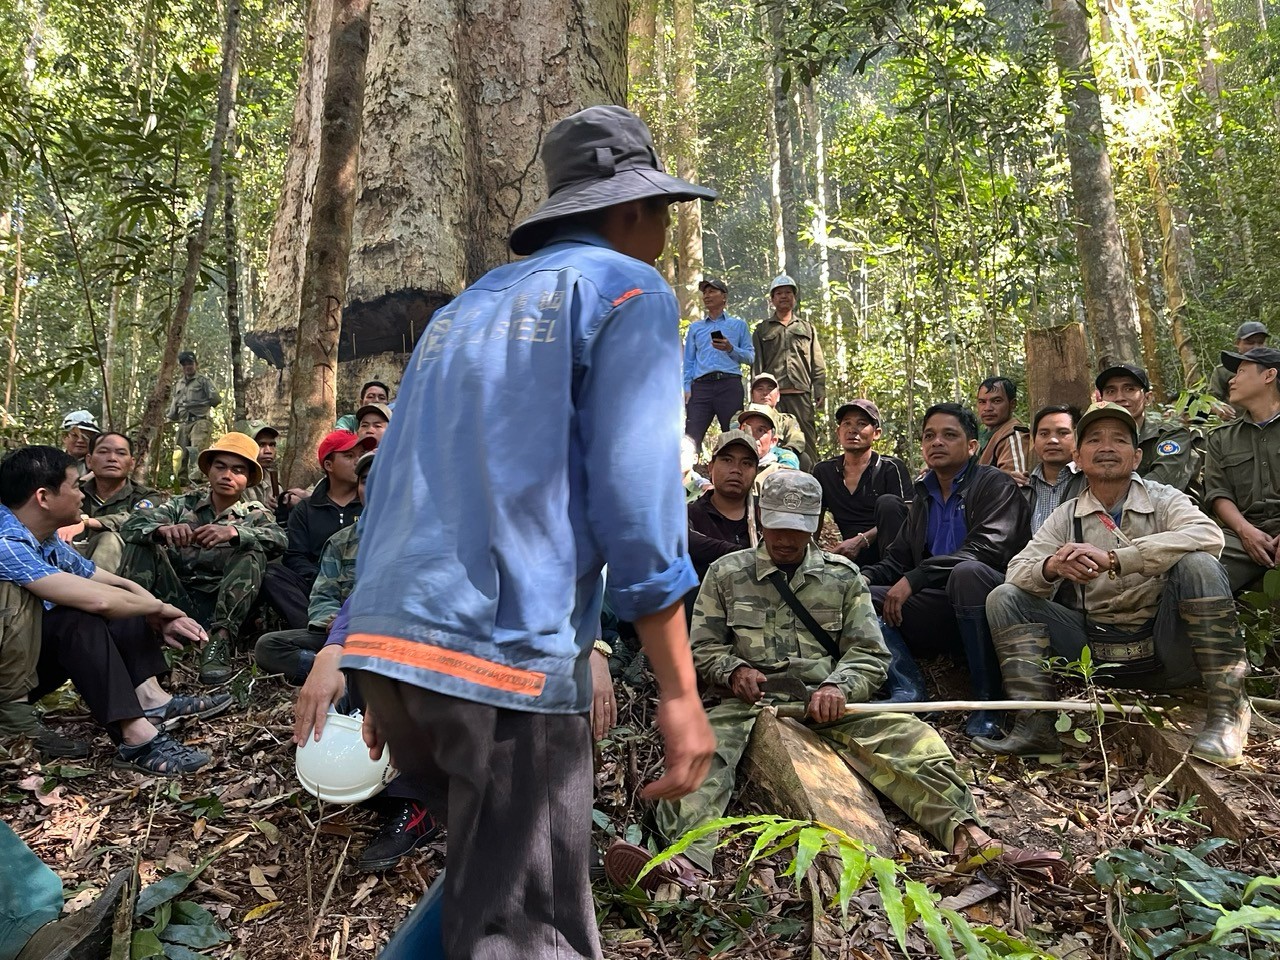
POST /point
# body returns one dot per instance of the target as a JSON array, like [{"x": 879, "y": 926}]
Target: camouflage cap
[
  {"x": 730, "y": 437},
  {"x": 1107, "y": 411},
  {"x": 791, "y": 500},
  {"x": 759, "y": 410},
  {"x": 256, "y": 428}
]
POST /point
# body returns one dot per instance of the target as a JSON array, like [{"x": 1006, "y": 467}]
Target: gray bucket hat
[{"x": 597, "y": 158}]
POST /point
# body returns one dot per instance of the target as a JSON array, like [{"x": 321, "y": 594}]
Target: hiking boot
[
  {"x": 215, "y": 659},
  {"x": 1021, "y": 651},
  {"x": 19, "y": 719},
  {"x": 83, "y": 935},
  {"x": 407, "y": 827},
  {"x": 1220, "y": 657}
]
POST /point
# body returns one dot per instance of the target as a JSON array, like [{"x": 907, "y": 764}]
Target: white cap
[
  {"x": 338, "y": 768},
  {"x": 782, "y": 280},
  {"x": 82, "y": 419}
]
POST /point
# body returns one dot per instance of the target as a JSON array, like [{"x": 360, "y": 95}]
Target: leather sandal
[{"x": 623, "y": 863}]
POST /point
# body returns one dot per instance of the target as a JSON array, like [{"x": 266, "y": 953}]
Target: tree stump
[
  {"x": 804, "y": 778},
  {"x": 1058, "y": 368}
]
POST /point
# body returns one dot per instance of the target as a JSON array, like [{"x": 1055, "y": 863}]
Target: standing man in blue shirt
[
  {"x": 715, "y": 348},
  {"x": 967, "y": 521},
  {"x": 478, "y": 588}
]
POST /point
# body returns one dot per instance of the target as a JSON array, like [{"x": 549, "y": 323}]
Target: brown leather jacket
[{"x": 1009, "y": 448}]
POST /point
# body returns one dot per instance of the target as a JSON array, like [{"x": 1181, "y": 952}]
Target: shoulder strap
[{"x": 779, "y": 580}]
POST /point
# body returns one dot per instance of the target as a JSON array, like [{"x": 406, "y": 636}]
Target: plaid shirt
[{"x": 23, "y": 559}]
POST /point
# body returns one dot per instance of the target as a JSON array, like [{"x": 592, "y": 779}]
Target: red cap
[{"x": 340, "y": 441}]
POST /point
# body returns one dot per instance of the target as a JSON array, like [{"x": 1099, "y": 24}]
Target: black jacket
[
  {"x": 712, "y": 535},
  {"x": 311, "y": 523},
  {"x": 997, "y": 518}
]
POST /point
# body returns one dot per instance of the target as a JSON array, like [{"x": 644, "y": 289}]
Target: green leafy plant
[
  {"x": 906, "y": 901},
  {"x": 1171, "y": 902},
  {"x": 1260, "y": 617}
]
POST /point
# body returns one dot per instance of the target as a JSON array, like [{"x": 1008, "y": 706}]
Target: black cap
[
  {"x": 1123, "y": 370},
  {"x": 868, "y": 407},
  {"x": 1252, "y": 328},
  {"x": 597, "y": 158},
  {"x": 1262, "y": 356},
  {"x": 710, "y": 282},
  {"x": 186, "y": 356}
]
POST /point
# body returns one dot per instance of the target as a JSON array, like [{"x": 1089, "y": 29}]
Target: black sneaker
[
  {"x": 215, "y": 660},
  {"x": 19, "y": 719},
  {"x": 405, "y": 828}
]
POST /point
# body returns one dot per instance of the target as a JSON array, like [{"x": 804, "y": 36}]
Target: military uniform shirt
[
  {"x": 336, "y": 578},
  {"x": 740, "y": 619},
  {"x": 1241, "y": 466},
  {"x": 192, "y": 398},
  {"x": 1167, "y": 453},
  {"x": 116, "y": 509},
  {"x": 792, "y": 355}
]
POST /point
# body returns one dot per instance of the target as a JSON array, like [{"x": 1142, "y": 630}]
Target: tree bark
[
  {"x": 1148, "y": 321},
  {"x": 813, "y": 117},
  {"x": 153, "y": 413},
  {"x": 782, "y": 127},
  {"x": 314, "y": 376},
  {"x": 232, "y": 241},
  {"x": 1109, "y": 309},
  {"x": 15, "y": 316},
  {"x": 687, "y": 151}
]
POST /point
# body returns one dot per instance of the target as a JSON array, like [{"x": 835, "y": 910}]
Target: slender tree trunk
[
  {"x": 314, "y": 395},
  {"x": 1108, "y": 303},
  {"x": 15, "y": 316},
  {"x": 232, "y": 242},
  {"x": 1150, "y": 324},
  {"x": 782, "y": 126},
  {"x": 153, "y": 413},
  {"x": 113, "y": 335},
  {"x": 690, "y": 265},
  {"x": 640, "y": 57},
  {"x": 813, "y": 120},
  {"x": 775, "y": 203}
]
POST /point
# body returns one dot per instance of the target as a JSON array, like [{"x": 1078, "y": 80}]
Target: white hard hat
[
  {"x": 782, "y": 280},
  {"x": 82, "y": 419},
  {"x": 337, "y": 768}
]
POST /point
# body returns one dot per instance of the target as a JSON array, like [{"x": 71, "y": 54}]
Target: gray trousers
[
  {"x": 290, "y": 652},
  {"x": 518, "y": 788},
  {"x": 1196, "y": 576}
]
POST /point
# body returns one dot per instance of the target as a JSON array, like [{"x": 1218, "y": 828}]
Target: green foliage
[
  {"x": 905, "y": 901},
  {"x": 1171, "y": 902},
  {"x": 1260, "y": 617}
]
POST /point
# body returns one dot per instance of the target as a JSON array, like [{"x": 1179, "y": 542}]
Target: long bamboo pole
[{"x": 797, "y": 710}]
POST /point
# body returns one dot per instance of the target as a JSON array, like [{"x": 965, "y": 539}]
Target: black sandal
[
  {"x": 162, "y": 755},
  {"x": 183, "y": 708}
]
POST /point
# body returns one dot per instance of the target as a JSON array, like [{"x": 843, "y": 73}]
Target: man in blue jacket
[{"x": 478, "y": 588}]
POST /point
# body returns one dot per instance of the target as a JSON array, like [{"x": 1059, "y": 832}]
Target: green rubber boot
[
  {"x": 1220, "y": 657},
  {"x": 1021, "y": 651}
]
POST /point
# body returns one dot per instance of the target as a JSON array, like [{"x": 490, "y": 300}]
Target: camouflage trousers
[
  {"x": 105, "y": 549},
  {"x": 898, "y": 754},
  {"x": 21, "y": 616},
  {"x": 193, "y": 436},
  {"x": 1181, "y": 623},
  {"x": 221, "y": 606}
]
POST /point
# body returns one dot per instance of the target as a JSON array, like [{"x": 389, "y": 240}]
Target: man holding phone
[{"x": 715, "y": 348}]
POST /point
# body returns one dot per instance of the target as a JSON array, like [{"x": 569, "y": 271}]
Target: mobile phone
[{"x": 717, "y": 335}]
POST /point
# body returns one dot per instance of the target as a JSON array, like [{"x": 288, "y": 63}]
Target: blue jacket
[
  {"x": 700, "y": 357},
  {"x": 536, "y": 437}
]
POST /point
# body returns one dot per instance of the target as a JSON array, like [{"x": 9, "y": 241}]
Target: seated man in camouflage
[
  {"x": 761, "y": 422},
  {"x": 110, "y": 497},
  {"x": 268, "y": 491},
  {"x": 207, "y": 551},
  {"x": 745, "y": 634},
  {"x": 1130, "y": 569},
  {"x": 764, "y": 390},
  {"x": 292, "y": 652}
]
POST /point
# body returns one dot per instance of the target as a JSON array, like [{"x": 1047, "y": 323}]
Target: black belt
[{"x": 718, "y": 376}]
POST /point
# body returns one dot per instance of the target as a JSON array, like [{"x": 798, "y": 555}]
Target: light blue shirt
[
  {"x": 701, "y": 358},
  {"x": 534, "y": 406},
  {"x": 24, "y": 559}
]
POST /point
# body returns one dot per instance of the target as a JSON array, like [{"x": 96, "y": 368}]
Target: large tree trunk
[
  {"x": 1109, "y": 309},
  {"x": 689, "y": 251},
  {"x": 1147, "y": 319},
  {"x": 314, "y": 380},
  {"x": 153, "y": 413}
]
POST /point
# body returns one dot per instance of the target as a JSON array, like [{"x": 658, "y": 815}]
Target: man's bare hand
[
  {"x": 182, "y": 630},
  {"x": 67, "y": 534},
  {"x": 745, "y": 684},
  {"x": 722, "y": 345},
  {"x": 373, "y": 738},
  {"x": 176, "y": 534},
  {"x": 849, "y": 549},
  {"x": 1260, "y": 547},
  {"x": 688, "y": 746},
  {"x": 1020, "y": 478},
  {"x": 827, "y": 703},
  {"x": 214, "y": 534},
  {"x": 1079, "y": 562},
  {"x": 898, "y": 595},
  {"x": 324, "y": 687},
  {"x": 604, "y": 708}
]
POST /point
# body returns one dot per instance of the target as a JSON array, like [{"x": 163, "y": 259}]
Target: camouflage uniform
[
  {"x": 741, "y": 620},
  {"x": 790, "y": 435},
  {"x": 217, "y": 586},
  {"x": 104, "y": 547},
  {"x": 284, "y": 651},
  {"x": 192, "y": 399}
]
